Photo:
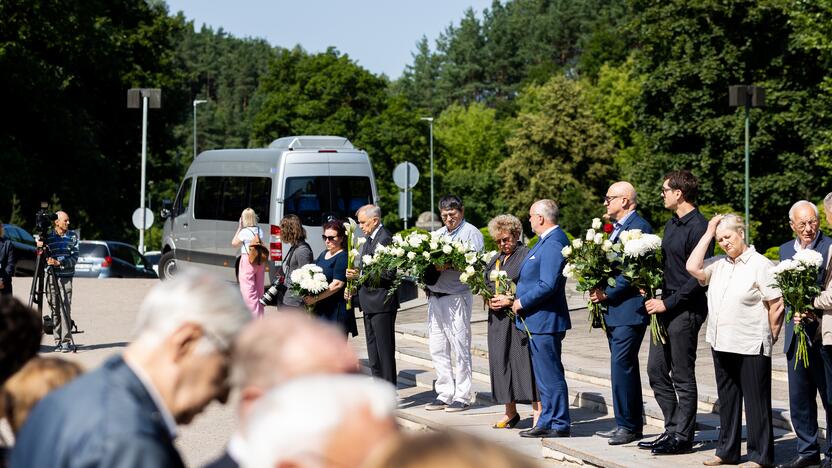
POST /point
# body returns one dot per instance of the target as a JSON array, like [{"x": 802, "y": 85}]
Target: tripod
[{"x": 45, "y": 273}]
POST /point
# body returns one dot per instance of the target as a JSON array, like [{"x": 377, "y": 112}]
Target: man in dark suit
[
  {"x": 125, "y": 413},
  {"x": 541, "y": 300},
  {"x": 805, "y": 383},
  {"x": 626, "y": 322},
  {"x": 379, "y": 312}
]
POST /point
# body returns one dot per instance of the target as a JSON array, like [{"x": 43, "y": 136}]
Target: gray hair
[
  {"x": 316, "y": 406},
  {"x": 193, "y": 297},
  {"x": 827, "y": 202},
  {"x": 548, "y": 209},
  {"x": 373, "y": 211},
  {"x": 505, "y": 223},
  {"x": 803, "y": 203},
  {"x": 732, "y": 222}
]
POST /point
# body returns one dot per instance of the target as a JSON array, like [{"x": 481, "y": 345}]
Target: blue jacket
[
  {"x": 625, "y": 303},
  {"x": 820, "y": 245},
  {"x": 541, "y": 287},
  {"x": 105, "y": 418}
]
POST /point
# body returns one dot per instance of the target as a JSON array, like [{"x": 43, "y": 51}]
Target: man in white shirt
[{"x": 449, "y": 316}]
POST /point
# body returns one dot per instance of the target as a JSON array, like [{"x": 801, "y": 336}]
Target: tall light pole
[
  {"x": 430, "y": 121},
  {"x": 747, "y": 97},
  {"x": 196, "y": 103},
  {"x": 146, "y": 98}
]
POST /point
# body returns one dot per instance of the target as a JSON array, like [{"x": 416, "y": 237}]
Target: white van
[{"x": 313, "y": 177}]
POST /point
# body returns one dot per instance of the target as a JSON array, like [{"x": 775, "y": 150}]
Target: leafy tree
[{"x": 558, "y": 150}]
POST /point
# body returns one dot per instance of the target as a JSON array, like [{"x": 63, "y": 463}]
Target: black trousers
[
  {"x": 744, "y": 378},
  {"x": 381, "y": 344},
  {"x": 671, "y": 368},
  {"x": 804, "y": 386}
]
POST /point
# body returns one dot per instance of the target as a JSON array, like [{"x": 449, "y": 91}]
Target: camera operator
[{"x": 62, "y": 256}]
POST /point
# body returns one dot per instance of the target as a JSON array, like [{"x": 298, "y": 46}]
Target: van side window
[
  {"x": 224, "y": 198},
  {"x": 315, "y": 198},
  {"x": 183, "y": 198}
]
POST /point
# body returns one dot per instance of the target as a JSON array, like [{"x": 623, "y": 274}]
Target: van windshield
[{"x": 315, "y": 198}]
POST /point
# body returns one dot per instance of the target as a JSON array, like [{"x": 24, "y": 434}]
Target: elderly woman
[
  {"x": 251, "y": 276},
  {"x": 300, "y": 254},
  {"x": 745, "y": 315},
  {"x": 330, "y": 305},
  {"x": 509, "y": 360}
]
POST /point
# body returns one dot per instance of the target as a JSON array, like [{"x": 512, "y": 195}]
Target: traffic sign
[
  {"x": 137, "y": 218},
  {"x": 405, "y": 175}
]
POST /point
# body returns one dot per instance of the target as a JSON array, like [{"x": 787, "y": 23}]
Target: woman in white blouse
[
  {"x": 251, "y": 277},
  {"x": 744, "y": 317}
]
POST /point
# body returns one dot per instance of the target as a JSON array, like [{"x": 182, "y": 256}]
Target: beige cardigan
[{"x": 824, "y": 302}]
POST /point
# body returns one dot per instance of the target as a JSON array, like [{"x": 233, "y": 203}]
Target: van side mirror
[{"x": 166, "y": 206}]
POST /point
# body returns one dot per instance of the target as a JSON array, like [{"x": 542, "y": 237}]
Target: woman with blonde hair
[{"x": 251, "y": 275}]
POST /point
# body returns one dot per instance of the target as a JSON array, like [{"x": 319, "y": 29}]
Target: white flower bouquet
[
  {"x": 797, "y": 280},
  {"x": 589, "y": 262},
  {"x": 505, "y": 286},
  {"x": 309, "y": 280},
  {"x": 641, "y": 264},
  {"x": 354, "y": 242}
]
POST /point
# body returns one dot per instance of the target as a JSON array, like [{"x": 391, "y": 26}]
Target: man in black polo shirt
[{"x": 683, "y": 308}]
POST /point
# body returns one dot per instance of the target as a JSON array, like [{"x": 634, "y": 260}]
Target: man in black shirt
[{"x": 683, "y": 308}]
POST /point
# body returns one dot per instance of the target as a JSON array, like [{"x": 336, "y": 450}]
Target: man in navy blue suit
[
  {"x": 805, "y": 383},
  {"x": 125, "y": 413},
  {"x": 541, "y": 300},
  {"x": 626, "y": 322}
]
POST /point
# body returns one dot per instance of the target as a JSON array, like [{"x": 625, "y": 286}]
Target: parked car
[
  {"x": 110, "y": 259},
  {"x": 153, "y": 257},
  {"x": 24, "y": 249}
]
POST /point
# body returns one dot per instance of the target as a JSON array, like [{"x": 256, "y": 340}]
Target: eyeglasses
[
  {"x": 666, "y": 189},
  {"x": 449, "y": 215},
  {"x": 804, "y": 224},
  {"x": 329, "y": 238},
  {"x": 608, "y": 199},
  {"x": 504, "y": 240}
]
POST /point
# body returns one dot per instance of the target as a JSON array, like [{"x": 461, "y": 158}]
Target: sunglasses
[{"x": 329, "y": 238}]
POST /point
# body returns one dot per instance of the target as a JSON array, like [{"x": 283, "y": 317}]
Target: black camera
[
  {"x": 274, "y": 295},
  {"x": 44, "y": 220}
]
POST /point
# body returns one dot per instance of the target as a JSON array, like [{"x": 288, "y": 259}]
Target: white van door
[
  {"x": 180, "y": 220},
  {"x": 204, "y": 224}
]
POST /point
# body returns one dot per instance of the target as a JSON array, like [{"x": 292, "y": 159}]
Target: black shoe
[
  {"x": 543, "y": 433},
  {"x": 651, "y": 444},
  {"x": 624, "y": 436},
  {"x": 436, "y": 405},
  {"x": 801, "y": 462},
  {"x": 607, "y": 434},
  {"x": 672, "y": 446}
]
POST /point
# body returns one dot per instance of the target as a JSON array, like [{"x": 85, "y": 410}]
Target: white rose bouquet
[
  {"x": 504, "y": 285},
  {"x": 797, "y": 280},
  {"x": 641, "y": 264},
  {"x": 589, "y": 262},
  {"x": 309, "y": 280},
  {"x": 354, "y": 242}
]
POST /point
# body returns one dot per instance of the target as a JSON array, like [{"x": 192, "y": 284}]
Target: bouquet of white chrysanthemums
[
  {"x": 641, "y": 264},
  {"x": 797, "y": 279},
  {"x": 412, "y": 255},
  {"x": 354, "y": 242},
  {"x": 589, "y": 263},
  {"x": 309, "y": 280}
]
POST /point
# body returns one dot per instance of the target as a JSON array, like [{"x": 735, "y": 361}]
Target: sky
[{"x": 380, "y": 35}]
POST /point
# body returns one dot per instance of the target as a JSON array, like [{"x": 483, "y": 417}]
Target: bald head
[
  {"x": 625, "y": 189},
  {"x": 620, "y": 200},
  {"x": 61, "y": 222}
]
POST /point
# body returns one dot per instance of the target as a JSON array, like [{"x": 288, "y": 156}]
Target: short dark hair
[
  {"x": 337, "y": 226},
  {"x": 451, "y": 202},
  {"x": 20, "y": 334},
  {"x": 685, "y": 181}
]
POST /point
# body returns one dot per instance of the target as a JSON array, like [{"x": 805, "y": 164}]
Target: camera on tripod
[{"x": 44, "y": 220}]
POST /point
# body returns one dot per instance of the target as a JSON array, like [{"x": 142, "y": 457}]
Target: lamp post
[
  {"x": 146, "y": 98},
  {"x": 747, "y": 97},
  {"x": 430, "y": 121},
  {"x": 196, "y": 103}
]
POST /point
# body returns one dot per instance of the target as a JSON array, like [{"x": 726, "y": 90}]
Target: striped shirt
[{"x": 65, "y": 250}]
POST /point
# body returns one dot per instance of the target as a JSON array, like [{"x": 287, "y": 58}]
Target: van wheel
[{"x": 167, "y": 266}]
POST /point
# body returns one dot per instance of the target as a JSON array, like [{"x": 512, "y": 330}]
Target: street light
[
  {"x": 748, "y": 97},
  {"x": 196, "y": 103},
  {"x": 430, "y": 121},
  {"x": 146, "y": 98}
]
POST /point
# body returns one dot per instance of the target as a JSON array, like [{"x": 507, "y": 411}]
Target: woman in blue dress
[{"x": 330, "y": 305}]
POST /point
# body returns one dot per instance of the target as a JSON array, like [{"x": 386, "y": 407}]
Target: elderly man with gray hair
[
  {"x": 125, "y": 413},
  {"x": 275, "y": 350},
  {"x": 805, "y": 383},
  {"x": 320, "y": 421}
]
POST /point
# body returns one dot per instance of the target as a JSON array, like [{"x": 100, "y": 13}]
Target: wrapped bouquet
[
  {"x": 504, "y": 285},
  {"x": 589, "y": 262},
  {"x": 641, "y": 264},
  {"x": 309, "y": 280},
  {"x": 797, "y": 280},
  {"x": 354, "y": 242}
]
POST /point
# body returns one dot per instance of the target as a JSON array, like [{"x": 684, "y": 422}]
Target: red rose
[{"x": 608, "y": 228}]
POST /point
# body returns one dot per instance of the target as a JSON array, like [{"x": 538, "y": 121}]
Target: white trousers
[{"x": 449, "y": 326}]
